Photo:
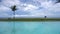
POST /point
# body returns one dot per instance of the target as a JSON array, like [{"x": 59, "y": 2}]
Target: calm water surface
[{"x": 47, "y": 27}]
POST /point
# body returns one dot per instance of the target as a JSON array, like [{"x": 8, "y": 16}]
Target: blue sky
[{"x": 30, "y": 8}]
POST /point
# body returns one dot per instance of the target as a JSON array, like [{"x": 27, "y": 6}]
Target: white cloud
[
  {"x": 3, "y": 8},
  {"x": 30, "y": 7},
  {"x": 25, "y": 16},
  {"x": 56, "y": 7},
  {"x": 27, "y": 7},
  {"x": 45, "y": 0},
  {"x": 46, "y": 4},
  {"x": 10, "y": 3},
  {"x": 48, "y": 7}
]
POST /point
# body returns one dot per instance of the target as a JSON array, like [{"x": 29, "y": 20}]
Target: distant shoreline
[{"x": 30, "y": 19}]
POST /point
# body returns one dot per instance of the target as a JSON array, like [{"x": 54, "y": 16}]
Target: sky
[{"x": 30, "y": 8}]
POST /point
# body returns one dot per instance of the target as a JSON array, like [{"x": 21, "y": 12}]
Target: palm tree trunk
[
  {"x": 14, "y": 22},
  {"x": 14, "y": 15}
]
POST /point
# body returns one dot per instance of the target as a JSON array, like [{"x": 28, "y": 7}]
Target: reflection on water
[{"x": 30, "y": 27}]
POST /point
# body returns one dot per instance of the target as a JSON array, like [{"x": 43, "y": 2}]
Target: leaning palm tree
[{"x": 13, "y": 8}]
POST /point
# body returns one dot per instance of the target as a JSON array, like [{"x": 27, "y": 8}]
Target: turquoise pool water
[{"x": 48, "y": 27}]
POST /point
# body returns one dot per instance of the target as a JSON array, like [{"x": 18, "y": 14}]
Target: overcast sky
[{"x": 30, "y": 8}]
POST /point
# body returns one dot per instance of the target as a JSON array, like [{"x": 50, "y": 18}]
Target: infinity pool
[{"x": 19, "y": 27}]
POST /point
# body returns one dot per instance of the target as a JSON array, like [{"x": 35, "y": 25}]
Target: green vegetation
[{"x": 30, "y": 19}]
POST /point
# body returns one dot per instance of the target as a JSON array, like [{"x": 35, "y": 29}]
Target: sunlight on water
[{"x": 48, "y": 27}]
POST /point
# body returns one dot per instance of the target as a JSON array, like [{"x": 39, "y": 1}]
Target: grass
[{"x": 30, "y": 19}]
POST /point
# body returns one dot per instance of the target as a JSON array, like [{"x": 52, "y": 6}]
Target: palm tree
[
  {"x": 13, "y": 9},
  {"x": 45, "y": 16}
]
